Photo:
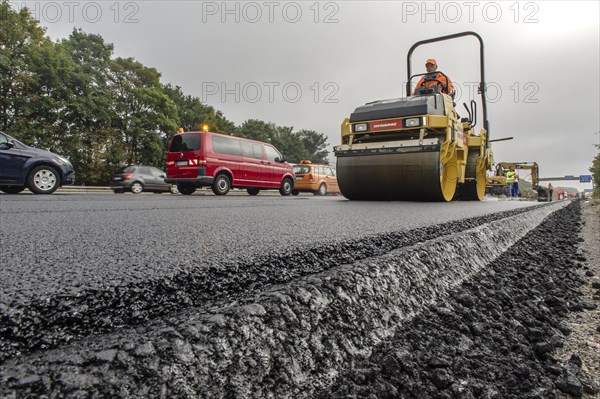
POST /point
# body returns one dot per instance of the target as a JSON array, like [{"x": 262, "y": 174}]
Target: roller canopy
[{"x": 385, "y": 109}]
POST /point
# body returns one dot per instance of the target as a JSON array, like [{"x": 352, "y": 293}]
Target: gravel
[
  {"x": 583, "y": 342},
  {"x": 497, "y": 336}
]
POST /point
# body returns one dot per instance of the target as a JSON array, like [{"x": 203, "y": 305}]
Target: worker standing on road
[
  {"x": 510, "y": 180},
  {"x": 434, "y": 78},
  {"x": 550, "y": 191},
  {"x": 515, "y": 192}
]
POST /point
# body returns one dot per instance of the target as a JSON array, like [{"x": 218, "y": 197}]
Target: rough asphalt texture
[
  {"x": 584, "y": 340},
  {"x": 180, "y": 356},
  {"x": 495, "y": 336},
  {"x": 53, "y": 292}
]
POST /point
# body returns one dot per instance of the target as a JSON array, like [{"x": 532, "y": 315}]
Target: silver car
[{"x": 141, "y": 178}]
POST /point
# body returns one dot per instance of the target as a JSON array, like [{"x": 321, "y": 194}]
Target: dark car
[
  {"x": 141, "y": 178},
  {"x": 22, "y": 166}
]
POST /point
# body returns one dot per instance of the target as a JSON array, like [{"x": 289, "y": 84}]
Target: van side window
[
  {"x": 226, "y": 145},
  {"x": 251, "y": 150},
  {"x": 258, "y": 151},
  {"x": 272, "y": 153},
  {"x": 247, "y": 151}
]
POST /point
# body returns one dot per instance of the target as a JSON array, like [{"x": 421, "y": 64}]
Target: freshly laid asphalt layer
[
  {"x": 77, "y": 265},
  {"x": 494, "y": 336},
  {"x": 197, "y": 297},
  {"x": 62, "y": 245}
]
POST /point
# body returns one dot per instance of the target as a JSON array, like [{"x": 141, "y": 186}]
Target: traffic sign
[
  {"x": 585, "y": 179},
  {"x": 569, "y": 177}
]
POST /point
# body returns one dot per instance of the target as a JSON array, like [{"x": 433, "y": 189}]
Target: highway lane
[
  {"x": 64, "y": 244},
  {"x": 234, "y": 323}
]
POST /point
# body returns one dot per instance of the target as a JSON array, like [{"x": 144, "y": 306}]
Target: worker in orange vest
[{"x": 433, "y": 78}]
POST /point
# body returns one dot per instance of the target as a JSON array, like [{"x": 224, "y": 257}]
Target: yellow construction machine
[
  {"x": 496, "y": 184},
  {"x": 415, "y": 148}
]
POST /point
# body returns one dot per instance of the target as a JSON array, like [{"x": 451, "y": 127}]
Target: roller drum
[{"x": 409, "y": 176}]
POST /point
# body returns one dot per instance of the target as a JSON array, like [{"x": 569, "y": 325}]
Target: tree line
[{"x": 74, "y": 98}]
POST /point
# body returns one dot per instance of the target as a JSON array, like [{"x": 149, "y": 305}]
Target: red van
[{"x": 200, "y": 159}]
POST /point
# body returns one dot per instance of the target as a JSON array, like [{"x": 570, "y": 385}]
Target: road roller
[{"x": 416, "y": 148}]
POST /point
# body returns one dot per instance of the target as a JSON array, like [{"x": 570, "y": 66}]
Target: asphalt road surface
[
  {"x": 239, "y": 296},
  {"x": 62, "y": 244}
]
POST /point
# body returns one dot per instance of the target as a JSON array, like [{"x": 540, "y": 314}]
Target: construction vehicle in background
[
  {"x": 496, "y": 184},
  {"x": 416, "y": 148}
]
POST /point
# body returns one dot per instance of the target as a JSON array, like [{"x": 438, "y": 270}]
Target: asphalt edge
[{"x": 295, "y": 353}]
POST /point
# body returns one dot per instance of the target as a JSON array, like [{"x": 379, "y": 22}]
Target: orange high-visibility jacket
[{"x": 430, "y": 80}]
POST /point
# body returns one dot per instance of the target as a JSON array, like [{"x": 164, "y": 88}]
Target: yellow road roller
[{"x": 416, "y": 148}]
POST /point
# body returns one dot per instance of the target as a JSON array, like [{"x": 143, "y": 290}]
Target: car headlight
[
  {"x": 361, "y": 127},
  {"x": 412, "y": 122}
]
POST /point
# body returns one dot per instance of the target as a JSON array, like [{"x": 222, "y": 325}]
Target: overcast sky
[{"x": 309, "y": 64}]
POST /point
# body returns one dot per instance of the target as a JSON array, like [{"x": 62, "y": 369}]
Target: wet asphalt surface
[
  {"x": 73, "y": 265},
  {"x": 77, "y": 267},
  {"x": 62, "y": 245}
]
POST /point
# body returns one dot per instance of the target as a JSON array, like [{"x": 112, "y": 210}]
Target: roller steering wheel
[{"x": 438, "y": 83}]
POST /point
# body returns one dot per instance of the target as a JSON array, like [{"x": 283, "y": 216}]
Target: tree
[
  {"x": 71, "y": 97},
  {"x": 305, "y": 144},
  {"x": 21, "y": 42},
  {"x": 86, "y": 124},
  {"x": 315, "y": 146},
  {"x": 192, "y": 113},
  {"x": 257, "y": 130},
  {"x": 145, "y": 115}
]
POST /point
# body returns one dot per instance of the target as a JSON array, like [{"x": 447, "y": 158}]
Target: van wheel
[
  {"x": 43, "y": 180},
  {"x": 286, "y": 187},
  {"x": 221, "y": 185},
  {"x": 322, "y": 189},
  {"x": 295, "y": 192},
  {"x": 253, "y": 191},
  {"x": 186, "y": 189}
]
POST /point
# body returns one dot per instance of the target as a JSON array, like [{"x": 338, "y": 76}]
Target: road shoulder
[{"x": 581, "y": 352}]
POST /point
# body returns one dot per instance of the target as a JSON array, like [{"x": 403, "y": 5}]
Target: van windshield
[{"x": 185, "y": 142}]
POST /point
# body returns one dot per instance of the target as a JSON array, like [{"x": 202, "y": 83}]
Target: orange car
[{"x": 315, "y": 178}]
